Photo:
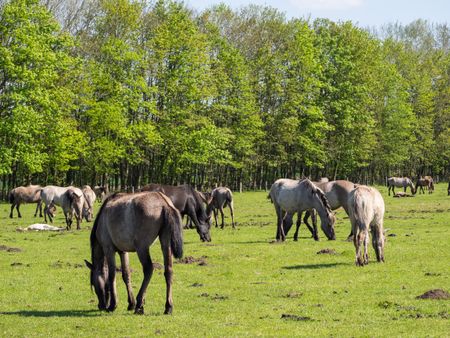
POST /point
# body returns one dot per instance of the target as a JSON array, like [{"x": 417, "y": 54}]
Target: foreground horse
[
  {"x": 188, "y": 202},
  {"x": 28, "y": 194},
  {"x": 89, "y": 200},
  {"x": 366, "y": 208},
  {"x": 291, "y": 196},
  {"x": 337, "y": 193},
  {"x": 220, "y": 198},
  {"x": 400, "y": 182},
  {"x": 131, "y": 223},
  {"x": 70, "y": 199}
]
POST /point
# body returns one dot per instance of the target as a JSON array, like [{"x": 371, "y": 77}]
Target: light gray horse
[
  {"x": 366, "y": 208},
  {"x": 70, "y": 199},
  {"x": 220, "y": 198},
  {"x": 291, "y": 196},
  {"x": 131, "y": 223},
  {"x": 400, "y": 182},
  {"x": 28, "y": 194},
  {"x": 89, "y": 201},
  {"x": 337, "y": 193}
]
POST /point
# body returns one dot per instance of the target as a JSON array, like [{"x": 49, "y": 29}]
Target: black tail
[
  {"x": 173, "y": 219},
  {"x": 11, "y": 196}
]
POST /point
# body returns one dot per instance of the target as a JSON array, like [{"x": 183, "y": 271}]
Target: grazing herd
[{"x": 132, "y": 222}]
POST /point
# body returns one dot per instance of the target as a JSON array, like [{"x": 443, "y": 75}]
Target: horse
[
  {"x": 448, "y": 189},
  {"x": 220, "y": 197},
  {"x": 70, "y": 199},
  {"x": 28, "y": 194},
  {"x": 400, "y": 182},
  {"x": 101, "y": 192},
  {"x": 131, "y": 223},
  {"x": 188, "y": 202},
  {"x": 290, "y": 196},
  {"x": 89, "y": 200},
  {"x": 337, "y": 193},
  {"x": 427, "y": 182},
  {"x": 366, "y": 207}
]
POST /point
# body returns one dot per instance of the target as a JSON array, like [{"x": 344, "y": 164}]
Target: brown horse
[
  {"x": 425, "y": 182},
  {"x": 366, "y": 207},
  {"x": 28, "y": 194},
  {"x": 131, "y": 223},
  {"x": 220, "y": 197}
]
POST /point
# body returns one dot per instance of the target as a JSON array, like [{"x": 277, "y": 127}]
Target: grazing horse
[
  {"x": 101, "y": 192},
  {"x": 220, "y": 197},
  {"x": 427, "y": 182},
  {"x": 28, "y": 194},
  {"x": 89, "y": 200},
  {"x": 291, "y": 196},
  {"x": 400, "y": 182},
  {"x": 188, "y": 202},
  {"x": 366, "y": 208},
  {"x": 131, "y": 223},
  {"x": 70, "y": 199},
  {"x": 448, "y": 189},
  {"x": 337, "y": 193}
]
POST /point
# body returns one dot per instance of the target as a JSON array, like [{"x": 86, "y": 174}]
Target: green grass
[{"x": 247, "y": 284}]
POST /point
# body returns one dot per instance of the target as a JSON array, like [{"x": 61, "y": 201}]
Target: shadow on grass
[
  {"x": 313, "y": 266},
  {"x": 66, "y": 313}
]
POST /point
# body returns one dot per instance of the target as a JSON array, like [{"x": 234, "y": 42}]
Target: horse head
[
  {"x": 98, "y": 278},
  {"x": 327, "y": 222}
]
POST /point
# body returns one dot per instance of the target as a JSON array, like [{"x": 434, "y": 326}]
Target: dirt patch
[
  {"x": 432, "y": 274},
  {"x": 192, "y": 260},
  {"x": 9, "y": 249},
  {"x": 392, "y": 235},
  {"x": 288, "y": 316},
  {"x": 158, "y": 266},
  {"x": 435, "y": 294},
  {"x": 16, "y": 264},
  {"x": 327, "y": 252},
  {"x": 293, "y": 295},
  {"x": 214, "y": 297},
  {"x": 196, "y": 285}
]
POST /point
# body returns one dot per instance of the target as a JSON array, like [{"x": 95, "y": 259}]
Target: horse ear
[{"x": 89, "y": 265}]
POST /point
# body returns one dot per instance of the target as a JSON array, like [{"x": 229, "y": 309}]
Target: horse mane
[{"x": 316, "y": 190}]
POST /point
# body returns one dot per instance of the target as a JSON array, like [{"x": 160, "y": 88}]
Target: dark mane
[{"x": 324, "y": 199}]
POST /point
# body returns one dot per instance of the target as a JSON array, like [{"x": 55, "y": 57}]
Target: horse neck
[
  {"x": 98, "y": 256},
  {"x": 320, "y": 207}
]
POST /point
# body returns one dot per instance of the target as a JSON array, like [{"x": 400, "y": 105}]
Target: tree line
[{"x": 124, "y": 93}]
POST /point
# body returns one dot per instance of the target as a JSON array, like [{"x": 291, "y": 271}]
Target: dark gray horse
[
  {"x": 188, "y": 202},
  {"x": 425, "y": 182},
  {"x": 131, "y": 223},
  {"x": 293, "y": 196},
  {"x": 220, "y": 198},
  {"x": 28, "y": 194},
  {"x": 366, "y": 208}
]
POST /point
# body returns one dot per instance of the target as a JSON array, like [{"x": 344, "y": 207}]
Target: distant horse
[
  {"x": 400, "y": 182},
  {"x": 188, "y": 202},
  {"x": 448, "y": 189},
  {"x": 70, "y": 199},
  {"x": 101, "y": 192},
  {"x": 337, "y": 193},
  {"x": 366, "y": 208},
  {"x": 28, "y": 194},
  {"x": 131, "y": 223},
  {"x": 220, "y": 198},
  {"x": 89, "y": 201},
  {"x": 291, "y": 196},
  {"x": 425, "y": 182}
]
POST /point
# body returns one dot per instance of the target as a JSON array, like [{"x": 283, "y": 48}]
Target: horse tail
[
  {"x": 173, "y": 219},
  {"x": 11, "y": 196}
]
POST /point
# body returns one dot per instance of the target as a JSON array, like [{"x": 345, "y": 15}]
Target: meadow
[{"x": 242, "y": 283}]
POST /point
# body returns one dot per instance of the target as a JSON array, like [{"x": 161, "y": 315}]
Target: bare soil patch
[
  {"x": 435, "y": 294},
  {"x": 327, "y": 252},
  {"x": 9, "y": 249},
  {"x": 288, "y": 316},
  {"x": 192, "y": 260}
]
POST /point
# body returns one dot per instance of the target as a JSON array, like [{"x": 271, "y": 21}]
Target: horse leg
[
  {"x": 378, "y": 241},
  {"x": 215, "y": 217},
  {"x": 12, "y": 209},
  {"x": 311, "y": 213},
  {"x": 168, "y": 271},
  {"x": 18, "y": 211},
  {"x": 37, "y": 207},
  {"x": 297, "y": 225},
  {"x": 358, "y": 240},
  {"x": 221, "y": 214},
  {"x": 147, "y": 266},
  {"x": 111, "y": 261},
  {"x": 230, "y": 205},
  {"x": 280, "y": 217},
  {"x": 126, "y": 276},
  {"x": 366, "y": 246},
  {"x": 389, "y": 190}
]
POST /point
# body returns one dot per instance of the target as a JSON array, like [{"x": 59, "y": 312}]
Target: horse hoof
[
  {"x": 111, "y": 308},
  {"x": 131, "y": 307},
  {"x": 139, "y": 311},
  {"x": 168, "y": 311}
]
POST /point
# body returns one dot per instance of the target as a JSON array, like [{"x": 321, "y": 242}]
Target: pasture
[{"x": 241, "y": 283}]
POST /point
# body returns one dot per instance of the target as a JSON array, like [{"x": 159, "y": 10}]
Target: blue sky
[{"x": 364, "y": 13}]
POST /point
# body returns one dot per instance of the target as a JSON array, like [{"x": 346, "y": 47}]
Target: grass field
[{"x": 240, "y": 284}]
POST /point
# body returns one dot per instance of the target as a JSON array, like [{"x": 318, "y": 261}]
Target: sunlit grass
[{"x": 247, "y": 283}]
